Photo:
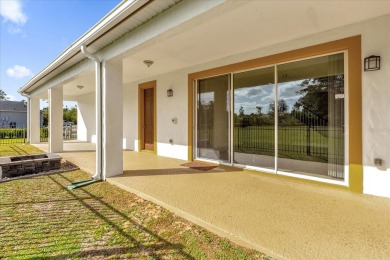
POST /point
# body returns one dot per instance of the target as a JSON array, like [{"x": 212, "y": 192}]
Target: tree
[
  {"x": 282, "y": 107},
  {"x": 69, "y": 115},
  {"x": 3, "y": 95},
  {"x": 45, "y": 113},
  {"x": 258, "y": 110},
  {"x": 315, "y": 91},
  {"x": 241, "y": 112}
]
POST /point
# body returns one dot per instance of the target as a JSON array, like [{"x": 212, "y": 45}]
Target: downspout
[
  {"x": 28, "y": 116},
  {"x": 98, "y": 96}
]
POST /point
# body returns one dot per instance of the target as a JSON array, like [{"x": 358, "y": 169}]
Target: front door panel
[{"x": 149, "y": 119}]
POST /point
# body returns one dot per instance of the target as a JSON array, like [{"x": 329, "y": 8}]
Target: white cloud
[
  {"x": 10, "y": 97},
  {"x": 12, "y": 10},
  {"x": 18, "y": 72}
]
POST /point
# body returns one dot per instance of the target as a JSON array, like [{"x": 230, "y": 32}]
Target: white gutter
[
  {"x": 121, "y": 11},
  {"x": 98, "y": 96}
]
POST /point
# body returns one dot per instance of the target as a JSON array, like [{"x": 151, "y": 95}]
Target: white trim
[
  {"x": 214, "y": 76},
  {"x": 231, "y": 119},
  {"x": 276, "y": 116},
  {"x": 346, "y": 119},
  {"x": 211, "y": 161},
  {"x": 309, "y": 177},
  {"x": 260, "y": 169},
  {"x": 256, "y": 68},
  {"x": 195, "y": 119}
]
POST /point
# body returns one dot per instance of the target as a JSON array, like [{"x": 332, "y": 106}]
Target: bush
[
  {"x": 44, "y": 132},
  {"x": 13, "y": 133}
]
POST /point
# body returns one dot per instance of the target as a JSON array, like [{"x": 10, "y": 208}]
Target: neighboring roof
[
  {"x": 6, "y": 105},
  {"x": 127, "y": 15}
]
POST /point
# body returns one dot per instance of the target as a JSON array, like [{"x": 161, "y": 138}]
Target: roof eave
[{"x": 122, "y": 10}]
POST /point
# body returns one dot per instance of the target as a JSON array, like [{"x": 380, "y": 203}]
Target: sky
[{"x": 35, "y": 32}]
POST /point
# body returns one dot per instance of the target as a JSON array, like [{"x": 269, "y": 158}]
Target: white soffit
[
  {"x": 238, "y": 26},
  {"x": 251, "y": 25},
  {"x": 124, "y": 18}
]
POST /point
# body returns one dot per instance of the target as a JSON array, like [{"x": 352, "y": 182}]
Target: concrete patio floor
[{"x": 282, "y": 217}]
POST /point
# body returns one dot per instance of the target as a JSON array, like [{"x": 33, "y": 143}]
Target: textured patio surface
[{"x": 282, "y": 217}]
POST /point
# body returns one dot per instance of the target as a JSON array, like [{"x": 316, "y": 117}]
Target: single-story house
[
  {"x": 292, "y": 88},
  {"x": 13, "y": 114}
]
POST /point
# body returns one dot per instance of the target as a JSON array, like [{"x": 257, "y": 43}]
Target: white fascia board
[
  {"x": 122, "y": 10},
  {"x": 166, "y": 25}
]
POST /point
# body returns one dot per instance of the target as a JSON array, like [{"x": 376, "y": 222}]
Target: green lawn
[
  {"x": 41, "y": 219},
  {"x": 295, "y": 142}
]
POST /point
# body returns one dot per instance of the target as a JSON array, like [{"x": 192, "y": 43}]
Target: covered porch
[
  {"x": 280, "y": 216},
  {"x": 196, "y": 109}
]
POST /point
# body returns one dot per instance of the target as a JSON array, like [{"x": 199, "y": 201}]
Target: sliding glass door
[
  {"x": 311, "y": 116},
  {"x": 254, "y": 118},
  {"x": 213, "y": 113},
  {"x": 287, "y": 118}
]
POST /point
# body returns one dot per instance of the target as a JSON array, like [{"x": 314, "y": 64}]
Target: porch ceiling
[
  {"x": 240, "y": 26},
  {"x": 81, "y": 85},
  {"x": 231, "y": 28}
]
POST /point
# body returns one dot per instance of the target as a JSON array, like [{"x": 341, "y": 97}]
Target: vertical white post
[
  {"x": 34, "y": 120},
  {"x": 55, "y": 119},
  {"x": 98, "y": 121},
  {"x": 112, "y": 97},
  {"x": 28, "y": 121}
]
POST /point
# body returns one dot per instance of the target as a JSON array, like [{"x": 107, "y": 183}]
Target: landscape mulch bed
[
  {"x": 199, "y": 166},
  {"x": 65, "y": 167}
]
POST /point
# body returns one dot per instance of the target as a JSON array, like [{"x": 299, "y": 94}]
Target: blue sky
[{"x": 34, "y": 32}]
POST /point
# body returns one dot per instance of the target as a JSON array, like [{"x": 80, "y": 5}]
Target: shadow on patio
[
  {"x": 72, "y": 224},
  {"x": 279, "y": 216}
]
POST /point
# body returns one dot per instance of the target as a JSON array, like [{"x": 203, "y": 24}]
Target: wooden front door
[{"x": 148, "y": 119}]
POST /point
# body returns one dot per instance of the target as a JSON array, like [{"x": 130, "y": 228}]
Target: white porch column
[
  {"x": 34, "y": 120},
  {"x": 55, "y": 119},
  {"x": 112, "y": 118}
]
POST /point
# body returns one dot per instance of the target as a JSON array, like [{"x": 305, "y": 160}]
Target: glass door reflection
[
  {"x": 311, "y": 117},
  {"x": 254, "y": 118},
  {"x": 213, "y": 111}
]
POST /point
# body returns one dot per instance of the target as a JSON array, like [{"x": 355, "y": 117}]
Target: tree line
[{"x": 69, "y": 114}]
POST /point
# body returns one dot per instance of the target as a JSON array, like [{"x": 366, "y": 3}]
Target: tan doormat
[{"x": 199, "y": 166}]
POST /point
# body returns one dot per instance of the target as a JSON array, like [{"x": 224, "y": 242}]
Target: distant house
[{"x": 13, "y": 114}]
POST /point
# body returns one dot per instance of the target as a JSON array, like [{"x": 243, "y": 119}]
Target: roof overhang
[
  {"x": 196, "y": 33},
  {"x": 100, "y": 35}
]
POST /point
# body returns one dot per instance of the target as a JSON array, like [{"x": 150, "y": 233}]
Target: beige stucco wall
[{"x": 168, "y": 108}]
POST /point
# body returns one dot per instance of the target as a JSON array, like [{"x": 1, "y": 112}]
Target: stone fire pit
[{"x": 15, "y": 166}]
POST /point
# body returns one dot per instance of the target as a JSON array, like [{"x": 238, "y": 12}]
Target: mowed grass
[
  {"x": 18, "y": 149},
  {"x": 41, "y": 219},
  {"x": 295, "y": 142}
]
